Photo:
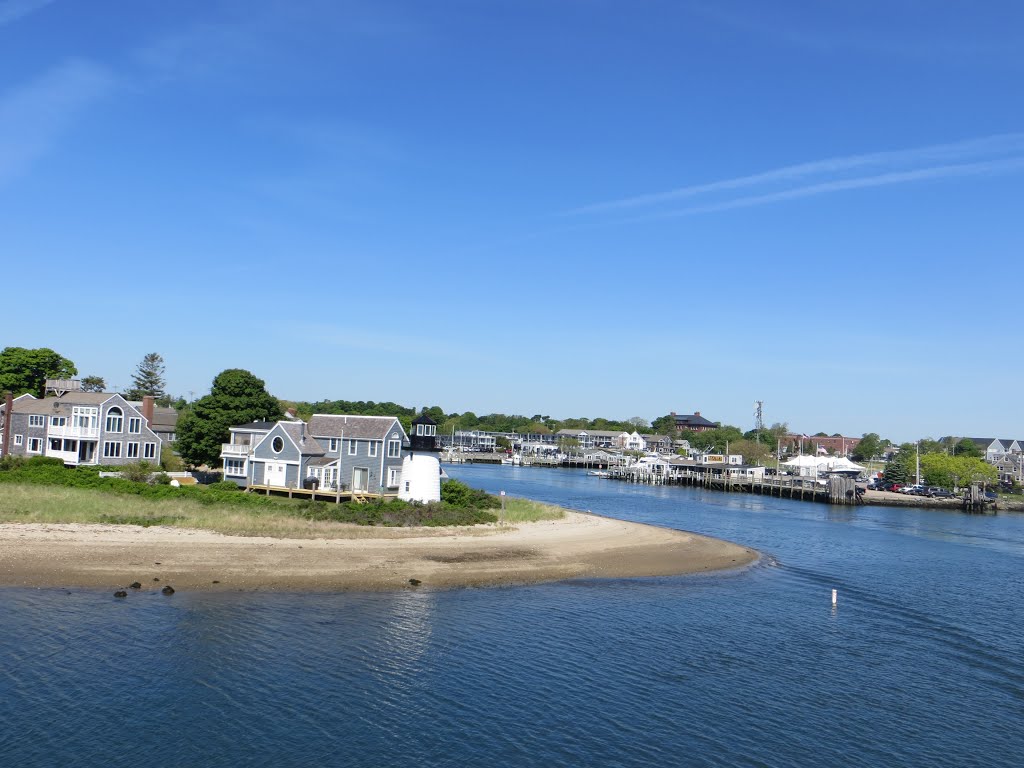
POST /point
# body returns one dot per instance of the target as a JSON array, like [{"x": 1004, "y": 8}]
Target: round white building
[{"x": 421, "y": 469}]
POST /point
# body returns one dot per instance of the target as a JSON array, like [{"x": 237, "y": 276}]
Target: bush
[
  {"x": 138, "y": 472},
  {"x": 457, "y": 494},
  {"x": 161, "y": 478}
]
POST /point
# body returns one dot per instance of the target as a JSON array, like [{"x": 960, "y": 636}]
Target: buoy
[{"x": 835, "y": 596}]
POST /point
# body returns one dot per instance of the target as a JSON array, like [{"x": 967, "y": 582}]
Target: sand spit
[{"x": 580, "y": 545}]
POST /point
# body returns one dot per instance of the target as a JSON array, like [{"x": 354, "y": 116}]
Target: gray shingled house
[
  {"x": 339, "y": 452},
  {"x": 81, "y": 428}
]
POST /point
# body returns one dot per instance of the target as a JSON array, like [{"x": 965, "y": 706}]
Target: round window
[{"x": 277, "y": 445}]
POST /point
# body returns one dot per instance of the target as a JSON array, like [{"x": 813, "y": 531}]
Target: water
[{"x": 920, "y": 664}]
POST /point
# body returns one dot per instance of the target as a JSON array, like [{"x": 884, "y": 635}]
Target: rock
[
  {"x": 135, "y": 585},
  {"x": 216, "y": 582},
  {"x": 155, "y": 579},
  {"x": 168, "y": 590},
  {"x": 120, "y": 593},
  {"x": 415, "y": 582}
]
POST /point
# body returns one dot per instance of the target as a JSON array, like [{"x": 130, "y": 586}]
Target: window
[
  {"x": 149, "y": 451},
  {"x": 372, "y": 446},
  {"x": 35, "y": 445},
  {"x": 353, "y": 447},
  {"x": 233, "y": 467},
  {"x": 131, "y": 451},
  {"x": 426, "y": 430},
  {"x": 394, "y": 473},
  {"x": 84, "y": 418},
  {"x": 111, "y": 449},
  {"x": 58, "y": 421},
  {"x": 277, "y": 445},
  {"x": 333, "y": 446},
  {"x": 135, "y": 425},
  {"x": 19, "y": 439},
  {"x": 35, "y": 420},
  {"x": 115, "y": 420},
  {"x": 394, "y": 449}
]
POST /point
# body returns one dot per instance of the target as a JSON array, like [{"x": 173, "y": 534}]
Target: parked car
[
  {"x": 912, "y": 490},
  {"x": 941, "y": 493}
]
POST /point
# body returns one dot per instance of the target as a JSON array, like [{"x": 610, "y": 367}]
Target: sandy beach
[{"x": 580, "y": 545}]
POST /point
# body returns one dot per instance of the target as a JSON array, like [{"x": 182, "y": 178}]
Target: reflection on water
[{"x": 752, "y": 667}]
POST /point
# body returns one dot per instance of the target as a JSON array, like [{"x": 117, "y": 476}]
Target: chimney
[
  {"x": 8, "y": 408},
  {"x": 147, "y": 410},
  {"x": 696, "y": 413}
]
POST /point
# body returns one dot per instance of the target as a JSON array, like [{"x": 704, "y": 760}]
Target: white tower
[{"x": 421, "y": 469}]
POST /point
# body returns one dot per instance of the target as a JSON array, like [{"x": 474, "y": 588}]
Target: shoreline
[{"x": 581, "y": 545}]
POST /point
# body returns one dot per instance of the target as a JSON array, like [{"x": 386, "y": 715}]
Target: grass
[
  {"x": 57, "y": 504},
  {"x": 525, "y": 511}
]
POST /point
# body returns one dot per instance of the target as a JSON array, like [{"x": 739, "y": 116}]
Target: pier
[{"x": 833, "y": 490}]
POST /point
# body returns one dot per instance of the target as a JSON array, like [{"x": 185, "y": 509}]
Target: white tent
[{"x": 821, "y": 465}]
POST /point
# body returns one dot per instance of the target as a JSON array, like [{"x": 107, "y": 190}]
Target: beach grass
[
  {"x": 519, "y": 510},
  {"x": 56, "y": 504}
]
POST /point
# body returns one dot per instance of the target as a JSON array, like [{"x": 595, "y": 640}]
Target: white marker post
[
  {"x": 502, "y": 501},
  {"x": 835, "y": 596}
]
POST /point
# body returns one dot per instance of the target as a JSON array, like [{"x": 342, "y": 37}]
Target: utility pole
[{"x": 759, "y": 418}]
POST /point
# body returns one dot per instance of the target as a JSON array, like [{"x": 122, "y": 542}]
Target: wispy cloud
[
  {"x": 987, "y": 155},
  {"x": 33, "y": 116},
  {"x": 12, "y": 10}
]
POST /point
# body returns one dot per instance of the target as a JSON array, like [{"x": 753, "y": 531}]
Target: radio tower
[{"x": 758, "y": 418}]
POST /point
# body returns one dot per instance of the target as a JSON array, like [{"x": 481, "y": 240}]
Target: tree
[
  {"x": 639, "y": 424},
  {"x": 902, "y": 467},
  {"x": 870, "y": 445},
  {"x": 26, "y": 370},
  {"x": 148, "y": 378},
  {"x": 949, "y": 471},
  {"x": 236, "y": 397},
  {"x": 664, "y": 425},
  {"x": 967, "y": 448},
  {"x": 93, "y": 384}
]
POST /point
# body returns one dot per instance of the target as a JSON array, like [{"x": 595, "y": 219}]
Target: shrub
[
  {"x": 161, "y": 478},
  {"x": 138, "y": 472},
  {"x": 457, "y": 494}
]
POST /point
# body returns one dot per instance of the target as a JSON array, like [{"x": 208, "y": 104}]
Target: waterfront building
[
  {"x": 358, "y": 454},
  {"x": 692, "y": 422},
  {"x": 421, "y": 468},
  {"x": 80, "y": 428}
]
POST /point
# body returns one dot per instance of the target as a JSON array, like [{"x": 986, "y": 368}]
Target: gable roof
[
  {"x": 304, "y": 441},
  {"x": 354, "y": 427}
]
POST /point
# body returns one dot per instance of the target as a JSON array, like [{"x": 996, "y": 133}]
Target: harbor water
[{"x": 920, "y": 663}]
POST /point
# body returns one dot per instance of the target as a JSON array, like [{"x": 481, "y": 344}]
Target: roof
[
  {"x": 252, "y": 426},
  {"x": 307, "y": 444},
  {"x": 695, "y": 419},
  {"x": 592, "y": 432},
  {"x": 355, "y": 427},
  {"x": 60, "y": 404},
  {"x": 167, "y": 418}
]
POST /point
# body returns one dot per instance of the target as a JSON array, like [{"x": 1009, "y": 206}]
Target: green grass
[
  {"x": 56, "y": 504},
  {"x": 526, "y": 511}
]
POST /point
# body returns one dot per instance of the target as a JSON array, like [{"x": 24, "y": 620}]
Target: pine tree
[{"x": 148, "y": 378}]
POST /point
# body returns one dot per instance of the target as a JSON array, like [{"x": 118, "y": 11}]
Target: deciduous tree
[
  {"x": 26, "y": 370},
  {"x": 236, "y": 397}
]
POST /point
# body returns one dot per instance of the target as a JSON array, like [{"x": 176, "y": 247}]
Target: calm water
[{"x": 922, "y": 664}]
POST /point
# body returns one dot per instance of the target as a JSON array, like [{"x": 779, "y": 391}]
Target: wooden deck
[{"x": 325, "y": 494}]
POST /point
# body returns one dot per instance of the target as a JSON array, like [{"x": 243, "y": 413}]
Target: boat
[{"x": 599, "y": 473}]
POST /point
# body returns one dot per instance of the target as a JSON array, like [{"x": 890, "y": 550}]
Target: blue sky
[{"x": 566, "y": 207}]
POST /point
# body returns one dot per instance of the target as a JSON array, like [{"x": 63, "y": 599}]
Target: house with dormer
[{"x": 345, "y": 453}]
